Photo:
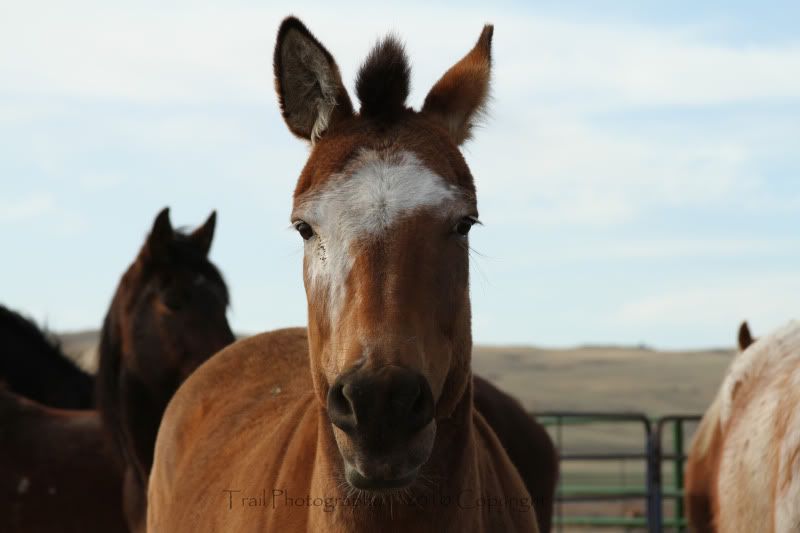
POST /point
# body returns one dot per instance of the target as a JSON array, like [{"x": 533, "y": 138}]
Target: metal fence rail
[{"x": 653, "y": 492}]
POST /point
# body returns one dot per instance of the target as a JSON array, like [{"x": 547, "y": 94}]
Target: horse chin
[{"x": 397, "y": 469}]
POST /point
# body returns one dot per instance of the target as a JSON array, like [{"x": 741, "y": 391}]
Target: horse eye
[
  {"x": 173, "y": 299},
  {"x": 464, "y": 225},
  {"x": 304, "y": 229}
]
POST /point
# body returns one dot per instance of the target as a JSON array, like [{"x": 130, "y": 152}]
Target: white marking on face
[{"x": 366, "y": 203}]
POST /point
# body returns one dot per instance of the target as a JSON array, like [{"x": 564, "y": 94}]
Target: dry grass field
[{"x": 598, "y": 378}]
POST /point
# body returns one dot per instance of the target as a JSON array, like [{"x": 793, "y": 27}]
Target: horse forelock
[{"x": 182, "y": 257}]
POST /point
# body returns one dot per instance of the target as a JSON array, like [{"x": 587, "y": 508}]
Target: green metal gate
[{"x": 648, "y": 459}]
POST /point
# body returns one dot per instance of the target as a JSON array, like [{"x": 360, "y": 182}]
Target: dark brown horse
[
  {"x": 166, "y": 318},
  {"x": 33, "y": 365},
  {"x": 527, "y": 444},
  {"x": 56, "y": 471}
]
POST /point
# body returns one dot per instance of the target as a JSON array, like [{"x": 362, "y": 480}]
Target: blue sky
[{"x": 638, "y": 177}]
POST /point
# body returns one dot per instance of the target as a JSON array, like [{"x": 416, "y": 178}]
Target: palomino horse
[
  {"x": 527, "y": 443},
  {"x": 33, "y": 365},
  {"x": 741, "y": 475},
  {"x": 376, "y": 430},
  {"x": 166, "y": 318},
  {"x": 57, "y": 472},
  {"x": 702, "y": 463}
]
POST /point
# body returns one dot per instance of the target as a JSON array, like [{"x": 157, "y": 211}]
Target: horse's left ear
[
  {"x": 459, "y": 97},
  {"x": 203, "y": 235}
]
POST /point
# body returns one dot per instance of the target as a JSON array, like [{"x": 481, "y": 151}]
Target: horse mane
[
  {"x": 705, "y": 431},
  {"x": 37, "y": 340},
  {"x": 107, "y": 384},
  {"x": 21, "y": 341}
]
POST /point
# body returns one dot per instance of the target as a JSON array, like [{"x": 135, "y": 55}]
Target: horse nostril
[
  {"x": 421, "y": 412},
  {"x": 340, "y": 407},
  {"x": 419, "y": 404},
  {"x": 340, "y": 401}
]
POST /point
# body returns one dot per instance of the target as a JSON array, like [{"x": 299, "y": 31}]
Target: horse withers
[
  {"x": 167, "y": 317},
  {"x": 376, "y": 429}
]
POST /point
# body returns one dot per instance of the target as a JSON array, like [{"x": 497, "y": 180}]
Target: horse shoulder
[
  {"x": 787, "y": 482},
  {"x": 230, "y": 407}
]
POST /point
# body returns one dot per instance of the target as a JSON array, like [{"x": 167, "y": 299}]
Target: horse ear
[
  {"x": 310, "y": 89},
  {"x": 745, "y": 338},
  {"x": 161, "y": 235},
  {"x": 203, "y": 235},
  {"x": 459, "y": 97}
]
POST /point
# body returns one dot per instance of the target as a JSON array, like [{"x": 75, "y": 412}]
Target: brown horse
[
  {"x": 527, "y": 443},
  {"x": 57, "y": 472},
  {"x": 741, "y": 471},
  {"x": 33, "y": 365},
  {"x": 167, "y": 317},
  {"x": 376, "y": 430}
]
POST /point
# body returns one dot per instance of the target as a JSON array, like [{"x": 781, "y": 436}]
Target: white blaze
[{"x": 366, "y": 203}]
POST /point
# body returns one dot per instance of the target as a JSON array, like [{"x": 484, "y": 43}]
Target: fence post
[
  {"x": 654, "y": 508},
  {"x": 678, "y": 473}
]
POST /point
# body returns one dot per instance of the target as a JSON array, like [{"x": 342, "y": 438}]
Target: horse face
[
  {"x": 383, "y": 205},
  {"x": 175, "y": 302}
]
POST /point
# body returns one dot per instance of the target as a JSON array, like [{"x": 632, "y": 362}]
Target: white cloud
[
  {"x": 662, "y": 249},
  {"x": 100, "y": 182},
  {"x": 769, "y": 300},
  {"x": 189, "y": 53},
  {"x": 26, "y": 208}
]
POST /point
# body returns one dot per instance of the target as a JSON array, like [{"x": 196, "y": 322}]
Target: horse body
[
  {"x": 167, "y": 317},
  {"x": 57, "y": 472},
  {"x": 527, "y": 443},
  {"x": 375, "y": 401},
  {"x": 33, "y": 365},
  {"x": 748, "y": 444}
]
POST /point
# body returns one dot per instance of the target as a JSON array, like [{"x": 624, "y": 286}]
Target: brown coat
[{"x": 247, "y": 425}]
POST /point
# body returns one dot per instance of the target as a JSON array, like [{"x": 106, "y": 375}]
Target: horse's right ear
[
  {"x": 203, "y": 235},
  {"x": 160, "y": 236},
  {"x": 745, "y": 338},
  {"x": 459, "y": 98},
  {"x": 310, "y": 89}
]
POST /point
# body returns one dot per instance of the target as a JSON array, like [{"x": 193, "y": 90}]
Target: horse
[
  {"x": 33, "y": 365},
  {"x": 741, "y": 465},
  {"x": 58, "y": 472},
  {"x": 167, "y": 316},
  {"x": 702, "y": 461},
  {"x": 364, "y": 420},
  {"x": 527, "y": 443}
]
